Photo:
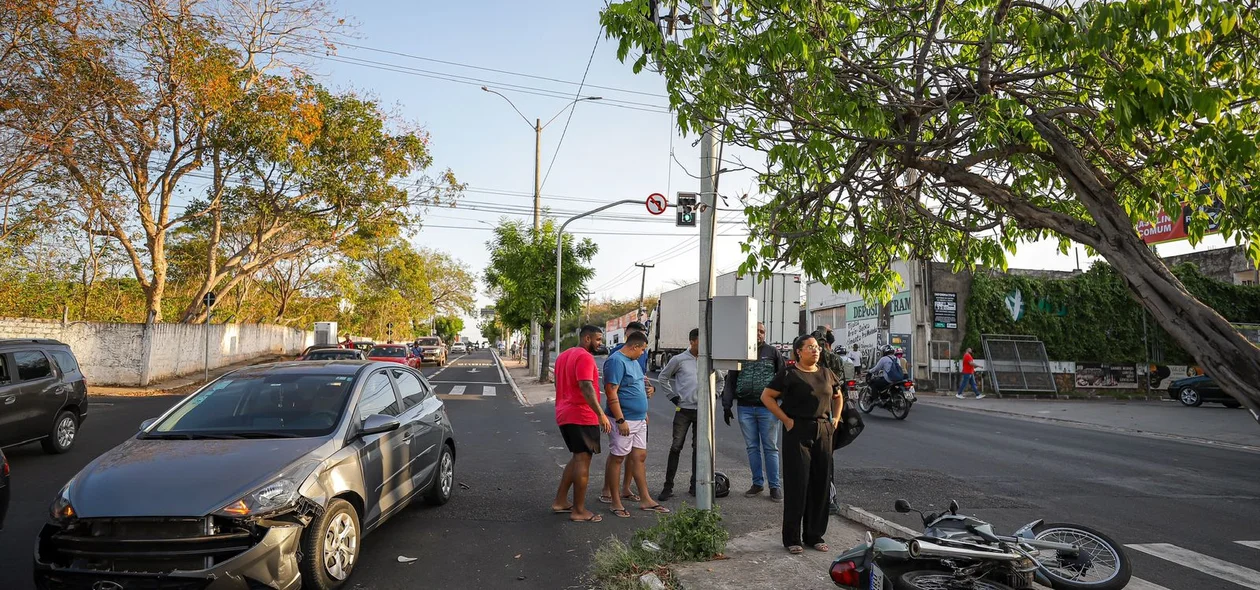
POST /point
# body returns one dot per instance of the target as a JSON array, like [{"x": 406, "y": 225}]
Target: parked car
[
  {"x": 43, "y": 394},
  {"x": 268, "y": 477},
  {"x": 315, "y": 347},
  {"x": 394, "y": 353},
  {"x": 1193, "y": 391},
  {"x": 433, "y": 348},
  {"x": 364, "y": 345},
  {"x": 459, "y": 348},
  {"x": 4, "y": 488},
  {"x": 334, "y": 354}
]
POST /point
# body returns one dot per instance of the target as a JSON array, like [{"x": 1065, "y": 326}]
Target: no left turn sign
[{"x": 656, "y": 203}]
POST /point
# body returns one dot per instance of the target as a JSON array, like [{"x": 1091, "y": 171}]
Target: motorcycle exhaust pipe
[{"x": 925, "y": 549}]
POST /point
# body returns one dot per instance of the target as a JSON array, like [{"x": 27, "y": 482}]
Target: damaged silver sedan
[{"x": 268, "y": 477}]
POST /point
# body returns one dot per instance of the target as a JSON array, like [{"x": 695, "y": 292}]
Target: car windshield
[
  {"x": 388, "y": 351},
  {"x": 428, "y": 342},
  {"x": 333, "y": 355},
  {"x": 260, "y": 406}
]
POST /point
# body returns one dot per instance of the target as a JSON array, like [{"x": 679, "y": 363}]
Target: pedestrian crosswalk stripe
[
  {"x": 1140, "y": 584},
  {"x": 1252, "y": 544},
  {"x": 457, "y": 390},
  {"x": 488, "y": 390},
  {"x": 1245, "y": 577}
]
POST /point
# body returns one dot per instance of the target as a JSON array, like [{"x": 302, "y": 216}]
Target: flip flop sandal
[
  {"x": 796, "y": 550},
  {"x": 657, "y": 509},
  {"x": 562, "y": 510},
  {"x": 605, "y": 499},
  {"x": 632, "y": 498},
  {"x": 620, "y": 512},
  {"x": 821, "y": 547},
  {"x": 593, "y": 518}
]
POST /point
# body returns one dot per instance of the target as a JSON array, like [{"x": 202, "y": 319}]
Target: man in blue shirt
[
  {"x": 631, "y": 328},
  {"x": 627, "y": 395}
]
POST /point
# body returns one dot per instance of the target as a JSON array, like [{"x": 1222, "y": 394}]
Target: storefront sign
[
  {"x": 1104, "y": 376},
  {"x": 1170, "y": 228},
  {"x": 860, "y": 310},
  {"x": 945, "y": 310}
]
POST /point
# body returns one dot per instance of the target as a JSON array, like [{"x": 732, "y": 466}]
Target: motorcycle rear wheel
[
  {"x": 938, "y": 580},
  {"x": 1100, "y": 547},
  {"x": 866, "y": 401},
  {"x": 899, "y": 406}
]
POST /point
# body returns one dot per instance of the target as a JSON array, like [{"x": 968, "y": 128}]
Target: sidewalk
[
  {"x": 529, "y": 390},
  {"x": 758, "y": 560},
  {"x": 1210, "y": 424},
  {"x": 176, "y": 385}
]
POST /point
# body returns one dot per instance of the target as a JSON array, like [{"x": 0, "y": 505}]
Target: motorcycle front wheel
[
  {"x": 1100, "y": 565},
  {"x": 899, "y": 406},
  {"x": 866, "y": 402},
  {"x": 934, "y": 580}
]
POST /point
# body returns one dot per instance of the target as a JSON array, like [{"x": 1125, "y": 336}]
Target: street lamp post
[{"x": 538, "y": 126}]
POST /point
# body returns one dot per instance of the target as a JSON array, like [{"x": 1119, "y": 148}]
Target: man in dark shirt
[{"x": 760, "y": 427}]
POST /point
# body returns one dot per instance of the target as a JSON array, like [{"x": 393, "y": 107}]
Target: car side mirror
[
  {"x": 902, "y": 506},
  {"x": 147, "y": 423},
  {"x": 378, "y": 423},
  {"x": 953, "y": 507}
]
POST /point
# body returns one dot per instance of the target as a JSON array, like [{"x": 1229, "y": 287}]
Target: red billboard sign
[{"x": 1168, "y": 228}]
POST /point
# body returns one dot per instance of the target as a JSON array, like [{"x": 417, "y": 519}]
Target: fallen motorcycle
[
  {"x": 897, "y": 399},
  {"x": 963, "y": 553}
]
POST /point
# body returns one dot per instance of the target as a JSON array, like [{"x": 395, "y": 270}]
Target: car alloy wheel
[
  {"x": 443, "y": 485},
  {"x": 65, "y": 429},
  {"x": 341, "y": 546},
  {"x": 1190, "y": 397}
]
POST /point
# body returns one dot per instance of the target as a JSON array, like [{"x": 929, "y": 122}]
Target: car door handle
[{"x": 10, "y": 399}]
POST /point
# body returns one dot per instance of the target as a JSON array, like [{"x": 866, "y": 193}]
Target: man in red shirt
[
  {"x": 968, "y": 376},
  {"x": 581, "y": 418}
]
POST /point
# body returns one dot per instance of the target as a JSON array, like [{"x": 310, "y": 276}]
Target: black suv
[{"x": 43, "y": 395}]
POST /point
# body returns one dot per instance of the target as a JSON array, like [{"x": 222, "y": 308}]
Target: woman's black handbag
[{"x": 850, "y": 426}]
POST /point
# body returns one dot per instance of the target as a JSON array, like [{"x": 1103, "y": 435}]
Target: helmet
[
  {"x": 721, "y": 485},
  {"x": 841, "y": 350},
  {"x": 886, "y": 350}
]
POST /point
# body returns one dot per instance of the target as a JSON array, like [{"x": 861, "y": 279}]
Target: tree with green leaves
[
  {"x": 448, "y": 327},
  {"x": 490, "y": 330},
  {"x": 934, "y": 129},
  {"x": 522, "y": 277}
]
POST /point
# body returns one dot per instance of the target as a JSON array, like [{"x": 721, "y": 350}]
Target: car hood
[{"x": 180, "y": 477}]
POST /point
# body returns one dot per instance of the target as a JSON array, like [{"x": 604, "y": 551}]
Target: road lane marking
[
  {"x": 1252, "y": 544},
  {"x": 457, "y": 390},
  {"x": 465, "y": 381},
  {"x": 1140, "y": 584},
  {"x": 488, "y": 390},
  {"x": 1218, "y": 568}
]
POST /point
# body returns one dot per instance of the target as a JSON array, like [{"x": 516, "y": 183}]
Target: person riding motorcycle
[{"x": 886, "y": 371}]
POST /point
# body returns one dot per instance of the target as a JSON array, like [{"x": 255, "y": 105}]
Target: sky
[{"x": 612, "y": 149}]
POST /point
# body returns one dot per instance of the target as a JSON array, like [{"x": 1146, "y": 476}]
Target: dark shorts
[{"x": 581, "y": 438}]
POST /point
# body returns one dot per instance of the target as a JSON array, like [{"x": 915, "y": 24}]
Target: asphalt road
[{"x": 497, "y": 531}]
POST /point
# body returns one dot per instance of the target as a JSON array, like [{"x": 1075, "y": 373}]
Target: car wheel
[
  {"x": 1190, "y": 397},
  {"x": 65, "y": 430},
  {"x": 444, "y": 480},
  {"x": 330, "y": 547}
]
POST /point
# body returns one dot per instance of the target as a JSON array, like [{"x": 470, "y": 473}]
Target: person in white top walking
[{"x": 680, "y": 376}]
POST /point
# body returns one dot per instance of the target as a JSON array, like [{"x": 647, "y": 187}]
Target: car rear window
[
  {"x": 429, "y": 342},
  {"x": 388, "y": 351},
  {"x": 31, "y": 365},
  {"x": 334, "y": 355},
  {"x": 66, "y": 362}
]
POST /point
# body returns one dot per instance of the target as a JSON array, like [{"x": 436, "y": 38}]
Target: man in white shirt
[{"x": 680, "y": 375}]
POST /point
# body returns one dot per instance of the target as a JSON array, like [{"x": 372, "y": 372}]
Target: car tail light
[
  {"x": 845, "y": 573},
  {"x": 5, "y": 470}
]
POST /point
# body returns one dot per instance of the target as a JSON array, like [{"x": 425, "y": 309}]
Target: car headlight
[
  {"x": 61, "y": 510},
  {"x": 272, "y": 496}
]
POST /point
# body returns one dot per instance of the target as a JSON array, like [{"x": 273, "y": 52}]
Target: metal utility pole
[
  {"x": 535, "y": 336},
  {"x": 560, "y": 254},
  {"x": 642, "y": 285},
  {"x": 708, "y": 284}
]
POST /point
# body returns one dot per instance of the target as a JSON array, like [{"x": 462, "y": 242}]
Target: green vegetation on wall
[{"x": 1092, "y": 316}]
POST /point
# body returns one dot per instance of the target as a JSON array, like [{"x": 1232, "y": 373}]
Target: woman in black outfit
[{"x": 807, "y": 399}]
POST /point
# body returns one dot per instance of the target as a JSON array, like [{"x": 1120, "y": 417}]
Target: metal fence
[
  {"x": 1017, "y": 364},
  {"x": 942, "y": 366}
]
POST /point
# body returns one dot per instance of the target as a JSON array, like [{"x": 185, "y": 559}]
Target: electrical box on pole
[{"x": 685, "y": 210}]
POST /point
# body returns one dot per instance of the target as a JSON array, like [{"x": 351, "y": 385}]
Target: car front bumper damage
[{"x": 106, "y": 555}]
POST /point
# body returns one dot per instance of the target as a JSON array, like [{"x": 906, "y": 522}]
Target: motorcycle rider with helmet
[{"x": 886, "y": 371}]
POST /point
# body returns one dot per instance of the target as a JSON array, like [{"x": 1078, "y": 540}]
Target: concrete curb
[
  {"x": 508, "y": 375},
  {"x": 1194, "y": 440},
  {"x": 878, "y": 524}
]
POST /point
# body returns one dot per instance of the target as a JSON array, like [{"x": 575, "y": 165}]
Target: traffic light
[{"x": 685, "y": 210}]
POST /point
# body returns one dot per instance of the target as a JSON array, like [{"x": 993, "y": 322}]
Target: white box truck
[
  {"x": 779, "y": 308},
  {"x": 326, "y": 333}
]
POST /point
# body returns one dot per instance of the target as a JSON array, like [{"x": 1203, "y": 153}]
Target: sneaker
[
  {"x": 753, "y": 491},
  {"x": 776, "y": 495},
  {"x": 980, "y": 396},
  {"x": 665, "y": 494},
  {"x": 959, "y": 395}
]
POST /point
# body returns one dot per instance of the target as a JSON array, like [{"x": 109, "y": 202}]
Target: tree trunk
[{"x": 544, "y": 355}]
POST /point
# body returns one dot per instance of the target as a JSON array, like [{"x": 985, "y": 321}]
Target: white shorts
[{"x": 620, "y": 445}]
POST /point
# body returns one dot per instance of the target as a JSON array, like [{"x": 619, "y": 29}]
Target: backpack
[{"x": 753, "y": 379}]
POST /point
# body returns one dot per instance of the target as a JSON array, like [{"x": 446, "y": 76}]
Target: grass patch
[{"x": 687, "y": 535}]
